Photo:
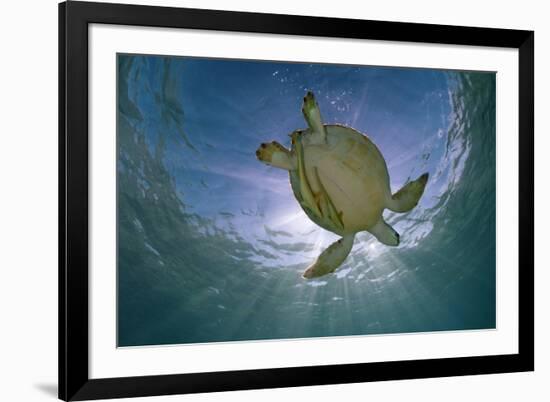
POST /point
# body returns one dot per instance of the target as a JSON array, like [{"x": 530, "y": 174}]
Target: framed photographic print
[{"x": 257, "y": 200}]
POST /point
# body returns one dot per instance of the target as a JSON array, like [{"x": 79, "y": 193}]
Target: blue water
[{"x": 212, "y": 243}]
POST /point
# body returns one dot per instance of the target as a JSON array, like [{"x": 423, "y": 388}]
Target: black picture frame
[{"x": 74, "y": 381}]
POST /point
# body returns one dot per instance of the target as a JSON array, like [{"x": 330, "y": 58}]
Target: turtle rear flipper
[
  {"x": 274, "y": 154},
  {"x": 312, "y": 115}
]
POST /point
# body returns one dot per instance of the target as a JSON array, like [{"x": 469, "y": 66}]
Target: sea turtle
[{"x": 340, "y": 179}]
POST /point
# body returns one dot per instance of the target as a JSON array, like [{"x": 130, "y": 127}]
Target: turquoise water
[{"x": 212, "y": 243}]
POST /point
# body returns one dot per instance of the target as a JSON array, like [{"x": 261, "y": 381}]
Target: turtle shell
[{"x": 350, "y": 172}]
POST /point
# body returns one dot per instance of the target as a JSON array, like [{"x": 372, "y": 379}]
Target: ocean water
[{"x": 212, "y": 243}]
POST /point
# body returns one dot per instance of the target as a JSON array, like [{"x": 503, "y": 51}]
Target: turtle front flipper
[
  {"x": 409, "y": 195},
  {"x": 331, "y": 258},
  {"x": 312, "y": 115},
  {"x": 274, "y": 154}
]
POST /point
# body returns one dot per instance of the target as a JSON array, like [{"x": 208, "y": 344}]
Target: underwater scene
[{"x": 212, "y": 243}]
